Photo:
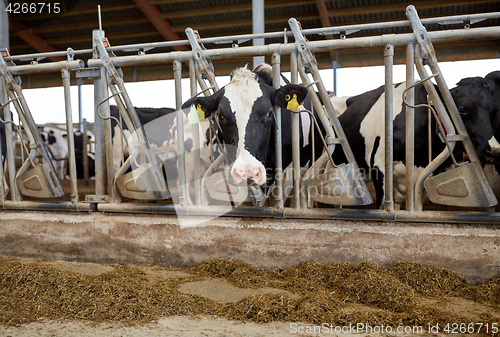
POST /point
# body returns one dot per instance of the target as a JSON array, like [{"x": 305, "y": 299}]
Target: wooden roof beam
[
  {"x": 394, "y": 7},
  {"x": 153, "y": 13},
  {"x": 34, "y": 40},
  {"x": 231, "y": 8}
]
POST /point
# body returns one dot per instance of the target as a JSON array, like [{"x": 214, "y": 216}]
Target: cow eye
[
  {"x": 270, "y": 113},
  {"x": 221, "y": 117},
  {"x": 463, "y": 112}
]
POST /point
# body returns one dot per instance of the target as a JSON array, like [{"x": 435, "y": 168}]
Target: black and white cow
[
  {"x": 57, "y": 144},
  {"x": 363, "y": 123},
  {"x": 244, "y": 109}
]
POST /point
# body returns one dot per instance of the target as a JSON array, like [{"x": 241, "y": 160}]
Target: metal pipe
[
  {"x": 258, "y": 27},
  {"x": 410, "y": 129},
  {"x": 49, "y": 206},
  {"x": 70, "y": 136},
  {"x": 315, "y": 46},
  {"x": 312, "y": 214},
  {"x": 85, "y": 153},
  {"x": 228, "y": 39},
  {"x": 15, "y": 194},
  {"x": 108, "y": 146},
  {"x": 79, "y": 83},
  {"x": 42, "y": 68},
  {"x": 276, "y": 61},
  {"x": 389, "y": 129},
  {"x": 196, "y": 140},
  {"x": 181, "y": 158},
  {"x": 449, "y": 127},
  {"x": 100, "y": 162},
  {"x": 295, "y": 137}
]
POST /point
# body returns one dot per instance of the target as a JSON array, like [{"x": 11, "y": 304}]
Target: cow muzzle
[{"x": 248, "y": 173}]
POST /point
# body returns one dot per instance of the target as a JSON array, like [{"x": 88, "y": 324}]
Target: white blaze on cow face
[{"x": 242, "y": 92}]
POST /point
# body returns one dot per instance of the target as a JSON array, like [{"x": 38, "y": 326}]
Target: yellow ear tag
[
  {"x": 201, "y": 113},
  {"x": 293, "y": 105},
  {"x": 193, "y": 115}
]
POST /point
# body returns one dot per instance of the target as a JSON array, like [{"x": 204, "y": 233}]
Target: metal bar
[
  {"x": 15, "y": 194},
  {"x": 42, "y": 68},
  {"x": 196, "y": 140},
  {"x": 410, "y": 129},
  {"x": 320, "y": 46},
  {"x": 70, "y": 136},
  {"x": 389, "y": 129},
  {"x": 181, "y": 159},
  {"x": 313, "y": 214},
  {"x": 108, "y": 146},
  {"x": 258, "y": 27},
  {"x": 276, "y": 62},
  {"x": 49, "y": 206},
  {"x": 295, "y": 137},
  {"x": 85, "y": 153},
  {"x": 320, "y": 31},
  {"x": 100, "y": 159}
]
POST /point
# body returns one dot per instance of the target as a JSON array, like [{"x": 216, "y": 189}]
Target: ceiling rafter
[
  {"x": 34, "y": 40},
  {"x": 231, "y": 8},
  {"x": 393, "y": 7},
  {"x": 88, "y": 24},
  {"x": 153, "y": 13},
  {"x": 325, "y": 22},
  {"x": 110, "y": 7}
]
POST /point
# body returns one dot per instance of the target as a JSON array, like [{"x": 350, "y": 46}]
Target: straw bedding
[{"x": 405, "y": 293}]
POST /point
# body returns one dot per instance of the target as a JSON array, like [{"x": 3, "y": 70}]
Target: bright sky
[{"x": 47, "y": 105}]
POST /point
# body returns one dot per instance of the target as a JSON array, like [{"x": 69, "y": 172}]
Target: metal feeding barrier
[
  {"x": 35, "y": 180},
  {"x": 145, "y": 181},
  {"x": 335, "y": 183}
]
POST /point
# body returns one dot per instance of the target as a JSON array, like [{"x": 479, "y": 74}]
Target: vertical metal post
[
  {"x": 85, "y": 153},
  {"x": 79, "y": 83},
  {"x": 4, "y": 25},
  {"x": 335, "y": 66},
  {"x": 11, "y": 165},
  {"x": 276, "y": 61},
  {"x": 196, "y": 139},
  {"x": 71, "y": 139},
  {"x": 100, "y": 162},
  {"x": 181, "y": 159},
  {"x": 410, "y": 129},
  {"x": 295, "y": 137},
  {"x": 108, "y": 146},
  {"x": 258, "y": 27},
  {"x": 389, "y": 128}
]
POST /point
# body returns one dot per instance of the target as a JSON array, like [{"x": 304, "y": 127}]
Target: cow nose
[{"x": 248, "y": 173}]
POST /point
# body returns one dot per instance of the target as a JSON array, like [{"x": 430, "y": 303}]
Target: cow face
[
  {"x": 244, "y": 111},
  {"x": 477, "y": 107}
]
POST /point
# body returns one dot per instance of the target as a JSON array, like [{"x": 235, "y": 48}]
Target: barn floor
[{"x": 227, "y": 298}]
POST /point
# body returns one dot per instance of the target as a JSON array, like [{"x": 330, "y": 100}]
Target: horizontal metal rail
[
  {"x": 398, "y": 40},
  {"x": 311, "y": 214},
  {"x": 471, "y": 18}
]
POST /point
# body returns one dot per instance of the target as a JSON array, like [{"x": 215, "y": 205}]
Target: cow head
[
  {"x": 244, "y": 110},
  {"x": 476, "y": 105}
]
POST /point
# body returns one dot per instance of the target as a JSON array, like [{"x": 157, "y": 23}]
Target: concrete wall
[{"x": 471, "y": 250}]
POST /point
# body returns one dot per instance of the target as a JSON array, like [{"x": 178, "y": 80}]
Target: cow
[
  {"x": 363, "y": 124},
  {"x": 79, "y": 154},
  {"x": 160, "y": 127},
  {"x": 3, "y": 139},
  {"x": 244, "y": 110},
  {"x": 57, "y": 147},
  {"x": 55, "y": 139},
  {"x": 492, "y": 170}
]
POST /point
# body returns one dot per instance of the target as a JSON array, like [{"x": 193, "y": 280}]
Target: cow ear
[
  {"x": 208, "y": 104},
  {"x": 289, "y": 94}
]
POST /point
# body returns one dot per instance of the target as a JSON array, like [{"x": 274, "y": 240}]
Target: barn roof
[{"x": 144, "y": 21}]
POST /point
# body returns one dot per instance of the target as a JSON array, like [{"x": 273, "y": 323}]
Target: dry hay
[{"x": 406, "y": 293}]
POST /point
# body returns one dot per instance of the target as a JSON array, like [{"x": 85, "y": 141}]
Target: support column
[{"x": 258, "y": 27}]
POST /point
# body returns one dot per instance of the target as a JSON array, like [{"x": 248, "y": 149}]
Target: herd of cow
[{"x": 244, "y": 115}]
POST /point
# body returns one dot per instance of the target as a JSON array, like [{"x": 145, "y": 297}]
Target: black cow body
[
  {"x": 3, "y": 138},
  {"x": 363, "y": 123},
  {"x": 244, "y": 110}
]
